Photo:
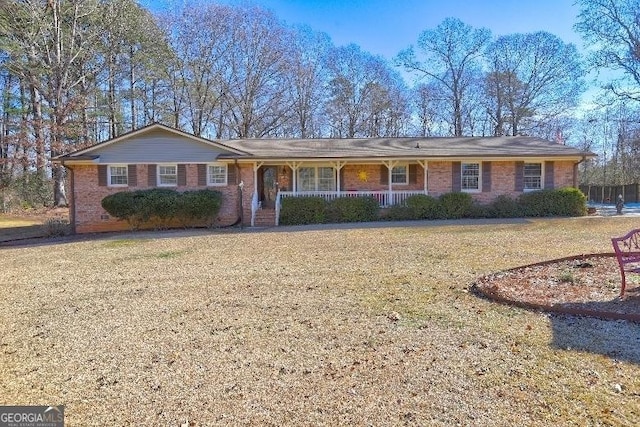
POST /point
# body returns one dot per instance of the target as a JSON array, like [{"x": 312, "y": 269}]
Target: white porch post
[
  {"x": 390, "y": 165},
  {"x": 294, "y": 168},
  {"x": 338, "y": 167}
]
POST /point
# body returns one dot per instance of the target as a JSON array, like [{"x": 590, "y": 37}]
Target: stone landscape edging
[{"x": 553, "y": 308}]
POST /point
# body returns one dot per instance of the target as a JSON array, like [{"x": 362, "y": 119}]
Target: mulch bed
[{"x": 587, "y": 285}]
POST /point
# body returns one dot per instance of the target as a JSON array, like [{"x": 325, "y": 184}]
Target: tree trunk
[
  {"x": 113, "y": 121},
  {"x": 59, "y": 192},
  {"x": 132, "y": 81},
  {"x": 38, "y": 133}
]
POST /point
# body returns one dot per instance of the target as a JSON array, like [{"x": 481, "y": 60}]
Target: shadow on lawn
[
  {"x": 21, "y": 232},
  {"x": 618, "y": 339}
]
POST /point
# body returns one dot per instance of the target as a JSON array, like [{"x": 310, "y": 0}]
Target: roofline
[
  {"x": 493, "y": 158},
  {"x": 149, "y": 128}
]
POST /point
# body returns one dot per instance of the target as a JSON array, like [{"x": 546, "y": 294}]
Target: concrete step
[{"x": 265, "y": 218}]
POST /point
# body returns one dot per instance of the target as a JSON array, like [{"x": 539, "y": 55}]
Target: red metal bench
[{"x": 627, "y": 250}]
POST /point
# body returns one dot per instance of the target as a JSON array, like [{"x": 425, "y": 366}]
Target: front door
[{"x": 269, "y": 187}]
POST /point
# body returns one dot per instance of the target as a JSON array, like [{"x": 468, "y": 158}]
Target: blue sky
[{"x": 385, "y": 27}]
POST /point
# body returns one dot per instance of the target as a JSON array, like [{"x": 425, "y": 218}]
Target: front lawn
[{"x": 354, "y": 326}]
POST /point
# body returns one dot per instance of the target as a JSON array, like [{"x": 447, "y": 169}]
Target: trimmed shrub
[
  {"x": 302, "y": 210},
  {"x": 456, "y": 205},
  {"x": 479, "y": 211},
  {"x": 423, "y": 206},
  {"x": 504, "y": 206},
  {"x": 352, "y": 209},
  {"x": 121, "y": 205},
  {"x": 562, "y": 202},
  {"x": 398, "y": 213},
  {"x": 198, "y": 205},
  {"x": 163, "y": 205}
]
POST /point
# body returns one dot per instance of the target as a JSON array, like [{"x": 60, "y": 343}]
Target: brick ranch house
[{"x": 254, "y": 175}]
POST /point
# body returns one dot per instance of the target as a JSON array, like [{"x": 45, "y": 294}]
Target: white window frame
[
  {"x": 224, "y": 173},
  {"x": 110, "y": 175},
  {"x": 160, "y": 175},
  {"x": 316, "y": 178},
  {"x": 462, "y": 177},
  {"x": 524, "y": 176},
  {"x": 405, "y": 175}
]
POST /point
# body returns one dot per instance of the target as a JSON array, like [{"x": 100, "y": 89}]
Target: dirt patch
[{"x": 588, "y": 285}]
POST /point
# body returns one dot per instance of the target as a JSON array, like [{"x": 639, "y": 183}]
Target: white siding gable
[{"x": 157, "y": 147}]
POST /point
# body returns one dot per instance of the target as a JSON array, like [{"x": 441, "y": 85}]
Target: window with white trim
[
  {"x": 167, "y": 175},
  {"x": 317, "y": 178},
  {"x": 217, "y": 174},
  {"x": 470, "y": 179},
  {"x": 532, "y": 176},
  {"x": 118, "y": 175},
  {"x": 400, "y": 175}
]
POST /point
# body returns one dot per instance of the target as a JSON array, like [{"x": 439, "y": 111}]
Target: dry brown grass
[{"x": 310, "y": 327}]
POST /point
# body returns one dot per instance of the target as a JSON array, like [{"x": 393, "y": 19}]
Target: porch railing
[{"x": 384, "y": 198}]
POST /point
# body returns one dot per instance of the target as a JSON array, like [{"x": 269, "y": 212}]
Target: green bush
[
  {"x": 198, "y": 205},
  {"x": 352, "y": 209},
  {"x": 302, "y": 210},
  {"x": 478, "y": 210},
  {"x": 504, "y": 206},
  {"x": 121, "y": 205},
  {"x": 562, "y": 202},
  {"x": 398, "y": 213},
  {"x": 423, "y": 206},
  {"x": 163, "y": 206},
  {"x": 456, "y": 205}
]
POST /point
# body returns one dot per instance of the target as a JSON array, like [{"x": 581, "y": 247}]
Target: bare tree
[
  {"x": 449, "y": 55},
  {"x": 364, "y": 94},
  {"x": 533, "y": 78},
  {"x": 307, "y": 82},
  {"x": 612, "y": 27}
]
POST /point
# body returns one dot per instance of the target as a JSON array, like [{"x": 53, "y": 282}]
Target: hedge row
[
  {"x": 164, "y": 207},
  {"x": 315, "y": 210}
]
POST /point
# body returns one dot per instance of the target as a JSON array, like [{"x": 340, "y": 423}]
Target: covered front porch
[{"x": 390, "y": 182}]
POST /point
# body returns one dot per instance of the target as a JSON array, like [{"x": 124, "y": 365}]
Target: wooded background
[{"x": 73, "y": 73}]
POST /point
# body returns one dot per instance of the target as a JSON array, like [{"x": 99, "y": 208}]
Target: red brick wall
[
  {"x": 246, "y": 176},
  {"x": 87, "y": 195},
  {"x": 90, "y": 217},
  {"x": 439, "y": 178},
  {"x": 352, "y": 179},
  {"x": 563, "y": 174}
]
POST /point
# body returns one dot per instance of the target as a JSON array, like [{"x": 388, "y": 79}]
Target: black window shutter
[
  {"x": 486, "y": 177},
  {"x": 456, "y": 178},
  {"x": 231, "y": 174},
  {"x": 152, "y": 179},
  {"x": 202, "y": 174},
  {"x": 384, "y": 174},
  {"x": 413, "y": 174},
  {"x": 519, "y": 178},
  {"x": 132, "y": 175},
  {"x": 342, "y": 179},
  {"x": 548, "y": 175},
  {"x": 182, "y": 175},
  {"x": 102, "y": 175}
]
